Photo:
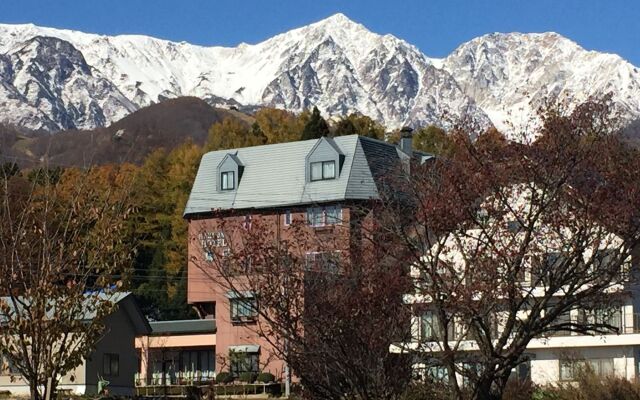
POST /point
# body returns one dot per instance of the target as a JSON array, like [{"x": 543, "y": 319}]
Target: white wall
[
  {"x": 74, "y": 381},
  {"x": 545, "y": 365}
]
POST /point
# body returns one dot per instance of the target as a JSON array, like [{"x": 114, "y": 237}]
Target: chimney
[{"x": 406, "y": 139}]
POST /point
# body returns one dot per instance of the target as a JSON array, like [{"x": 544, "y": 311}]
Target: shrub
[
  {"x": 426, "y": 390},
  {"x": 517, "y": 389},
  {"x": 224, "y": 377},
  {"x": 247, "y": 377},
  {"x": 266, "y": 377},
  {"x": 590, "y": 386}
]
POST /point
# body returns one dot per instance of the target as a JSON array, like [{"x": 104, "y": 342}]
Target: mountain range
[{"x": 53, "y": 80}]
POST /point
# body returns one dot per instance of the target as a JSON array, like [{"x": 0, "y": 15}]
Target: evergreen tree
[
  {"x": 345, "y": 127},
  {"x": 357, "y": 124},
  {"x": 316, "y": 128},
  {"x": 43, "y": 175},
  {"x": 9, "y": 169}
]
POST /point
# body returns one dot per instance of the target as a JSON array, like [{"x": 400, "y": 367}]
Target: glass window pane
[
  {"x": 287, "y": 217},
  {"x": 428, "y": 325},
  {"x": 566, "y": 370},
  {"x": 334, "y": 215},
  {"x": 228, "y": 181},
  {"x": 328, "y": 170},
  {"x": 106, "y": 365},
  {"x": 315, "y": 216},
  {"x": 115, "y": 365},
  {"x": 316, "y": 171},
  {"x": 606, "y": 367}
]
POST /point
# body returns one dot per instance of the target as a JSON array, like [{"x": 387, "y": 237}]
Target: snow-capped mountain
[
  {"x": 510, "y": 75},
  {"x": 335, "y": 64},
  {"x": 54, "y": 79}
]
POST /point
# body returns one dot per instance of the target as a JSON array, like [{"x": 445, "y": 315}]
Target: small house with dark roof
[{"x": 113, "y": 359}]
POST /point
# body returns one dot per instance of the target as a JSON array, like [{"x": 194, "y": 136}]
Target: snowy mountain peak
[
  {"x": 510, "y": 74},
  {"x": 337, "y": 20},
  {"x": 55, "y": 79}
]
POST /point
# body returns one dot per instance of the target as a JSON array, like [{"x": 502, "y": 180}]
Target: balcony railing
[
  {"x": 179, "y": 378},
  {"x": 625, "y": 323}
]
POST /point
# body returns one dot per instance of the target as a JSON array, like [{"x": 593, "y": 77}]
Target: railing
[
  {"x": 625, "y": 323},
  {"x": 274, "y": 389},
  {"x": 178, "y": 378}
]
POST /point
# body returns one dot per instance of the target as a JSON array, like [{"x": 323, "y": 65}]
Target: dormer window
[
  {"x": 324, "y": 161},
  {"x": 323, "y": 170},
  {"x": 229, "y": 173},
  {"x": 227, "y": 180}
]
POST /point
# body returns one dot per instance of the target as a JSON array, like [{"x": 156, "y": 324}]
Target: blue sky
[{"x": 434, "y": 26}]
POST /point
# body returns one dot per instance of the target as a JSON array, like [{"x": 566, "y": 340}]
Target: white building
[{"x": 549, "y": 359}]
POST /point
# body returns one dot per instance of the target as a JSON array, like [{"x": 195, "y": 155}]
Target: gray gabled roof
[
  {"x": 125, "y": 301},
  {"x": 234, "y": 158},
  {"x": 274, "y": 175}
]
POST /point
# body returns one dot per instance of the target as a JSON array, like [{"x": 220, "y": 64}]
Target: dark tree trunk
[
  {"x": 490, "y": 388},
  {"x": 33, "y": 389}
]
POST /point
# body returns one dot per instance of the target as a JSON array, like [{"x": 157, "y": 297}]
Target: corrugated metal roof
[
  {"x": 274, "y": 175},
  {"x": 187, "y": 326}
]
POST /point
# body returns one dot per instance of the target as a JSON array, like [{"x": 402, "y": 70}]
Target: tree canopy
[{"x": 316, "y": 127}]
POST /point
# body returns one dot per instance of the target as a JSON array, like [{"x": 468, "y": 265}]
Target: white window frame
[
  {"x": 243, "y": 309},
  {"x": 227, "y": 174},
  {"x": 322, "y": 171},
  {"x": 324, "y": 220}
]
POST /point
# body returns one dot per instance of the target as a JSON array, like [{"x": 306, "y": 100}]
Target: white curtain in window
[
  {"x": 328, "y": 169},
  {"x": 316, "y": 171},
  {"x": 315, "y": 216},
  {"x": 227, "y": 180}
]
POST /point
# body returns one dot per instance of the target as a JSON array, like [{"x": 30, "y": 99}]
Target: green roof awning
[{"x": 183, "y": 327}]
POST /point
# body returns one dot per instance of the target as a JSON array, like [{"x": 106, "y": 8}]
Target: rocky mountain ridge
[{"x": 53, "y": 79}]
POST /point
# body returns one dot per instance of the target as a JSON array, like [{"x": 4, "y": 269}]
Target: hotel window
[
  {"x": 429, "y": 326},
  {"x": 323, "y": 170},
  {"x": 243, "y": 362},
  {"x": 321, "y": 216},
  {"x": 569, "y": 369},
  {"x": 197, "y": 360},
  {"x": 243, "y": 308},
  {"x": 611, "y": 316},
  {"x": 325, "y": 261},
  {"x": 287, "y": 217},
  {"x": 110, "y": 364},
  {"x": 227, "y": 180}
]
